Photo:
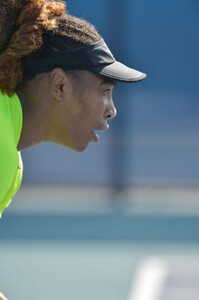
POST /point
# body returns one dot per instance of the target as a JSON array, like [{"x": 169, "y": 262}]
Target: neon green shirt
[{"x": 11, "y": 167}]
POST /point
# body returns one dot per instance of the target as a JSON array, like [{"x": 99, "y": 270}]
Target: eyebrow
[{"x": 108, "y": 81}]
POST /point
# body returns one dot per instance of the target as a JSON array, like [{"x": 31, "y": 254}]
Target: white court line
[{"x": 149, "y": 281}]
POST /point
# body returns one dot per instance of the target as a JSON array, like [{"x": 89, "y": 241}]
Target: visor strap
[{"x": 86, "y": 57}]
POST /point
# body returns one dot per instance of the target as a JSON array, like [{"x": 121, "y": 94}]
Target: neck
[{"x": 32, "y": 128}]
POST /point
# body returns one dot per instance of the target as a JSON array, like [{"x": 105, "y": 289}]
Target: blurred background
[{"x": 120, "y": 221}]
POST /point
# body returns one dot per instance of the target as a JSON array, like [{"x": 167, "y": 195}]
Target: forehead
[
  {"x": 89, "y": 80},
  {"x": 99, "y": 79},
  {"x": 106, "y": 80}
]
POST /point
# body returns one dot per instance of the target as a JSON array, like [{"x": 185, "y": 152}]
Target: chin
[
  {"x": 78, "y": 147},
  {"x": 81, "y": 148}
]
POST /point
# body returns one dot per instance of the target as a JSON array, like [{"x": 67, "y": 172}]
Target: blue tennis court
[{"x": 101, "y": 251}]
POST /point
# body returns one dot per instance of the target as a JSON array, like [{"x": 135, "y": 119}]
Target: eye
[
  {"x": 106, "y": 93},
  {"x": 107, "y": 90}
]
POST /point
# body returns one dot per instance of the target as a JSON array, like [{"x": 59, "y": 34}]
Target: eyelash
[
  {"x": 106, "y": 93},
  {"x": 107, "y": 90}
]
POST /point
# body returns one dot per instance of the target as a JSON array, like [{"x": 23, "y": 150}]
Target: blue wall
[{"x": 155, "y": 134}]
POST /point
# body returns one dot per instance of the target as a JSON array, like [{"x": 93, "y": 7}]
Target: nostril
[{"x": 110, "y": 113}]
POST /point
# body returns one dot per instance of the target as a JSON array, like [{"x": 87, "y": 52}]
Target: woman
[{"x": 56, "y": 81}]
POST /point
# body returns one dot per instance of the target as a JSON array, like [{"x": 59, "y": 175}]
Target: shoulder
[
  {"x": 8, "y": 151},
  {"x": 10, "y": 116}
]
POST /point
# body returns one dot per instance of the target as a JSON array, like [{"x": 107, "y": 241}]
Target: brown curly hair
[{"x": 36, "y": 27}]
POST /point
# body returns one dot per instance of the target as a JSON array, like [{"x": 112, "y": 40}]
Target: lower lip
[{"x": 95, "y": 137}]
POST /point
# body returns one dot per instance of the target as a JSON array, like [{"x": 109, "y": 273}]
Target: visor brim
[{"x": 119, "y": 72}]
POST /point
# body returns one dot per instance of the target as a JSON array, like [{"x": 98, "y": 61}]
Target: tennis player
[{"x": 56, "y": 80}]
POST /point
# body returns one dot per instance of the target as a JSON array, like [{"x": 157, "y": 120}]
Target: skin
[{"x": 65, "y": 109}]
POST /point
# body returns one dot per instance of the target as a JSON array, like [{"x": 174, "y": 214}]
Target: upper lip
[{"x": 103, "y": 128}]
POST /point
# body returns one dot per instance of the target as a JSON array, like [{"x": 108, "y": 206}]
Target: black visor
[{"x": 96, "y": 58}]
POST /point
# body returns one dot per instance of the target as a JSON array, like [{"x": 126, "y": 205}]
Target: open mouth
[
  {"x": 95, "y": 136},
  {"x": 98, "y": 131}
]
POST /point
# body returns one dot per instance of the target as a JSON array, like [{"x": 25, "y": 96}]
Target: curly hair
[{"x": 36, "y": 27}]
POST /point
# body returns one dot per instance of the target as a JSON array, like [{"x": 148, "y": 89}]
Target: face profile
[{"x": 89, "y": 110}]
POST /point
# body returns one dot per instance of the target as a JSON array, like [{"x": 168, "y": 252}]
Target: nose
[{"x": 111, "y": 112}]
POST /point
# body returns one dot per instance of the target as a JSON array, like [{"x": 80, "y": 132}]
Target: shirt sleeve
[{"x": 8, "y": 168}]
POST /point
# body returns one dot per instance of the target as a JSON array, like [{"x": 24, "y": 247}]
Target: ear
[{"x": 59, "y": 83}]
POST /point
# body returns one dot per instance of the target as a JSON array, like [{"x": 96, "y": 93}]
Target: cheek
[
  {"x": 100, "y": 105},
  {"x": 88, "y": 111},
  {"x": 92, "y": 113}
]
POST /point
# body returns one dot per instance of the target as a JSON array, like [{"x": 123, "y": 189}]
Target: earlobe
[{"x": 58, "y": 82}]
